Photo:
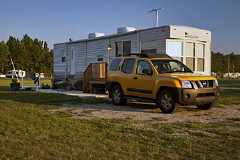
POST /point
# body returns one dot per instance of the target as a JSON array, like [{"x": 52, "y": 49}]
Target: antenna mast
[{"x": 156, "y": 10}]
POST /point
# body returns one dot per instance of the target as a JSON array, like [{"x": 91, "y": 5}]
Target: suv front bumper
[{"x": 198, "y": 96}]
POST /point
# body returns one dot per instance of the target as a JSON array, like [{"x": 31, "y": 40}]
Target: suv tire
[
  {"x": 167, "y": 101},
  {"x": 118, "y": 96},
  {"x": 207, "y": 106}
]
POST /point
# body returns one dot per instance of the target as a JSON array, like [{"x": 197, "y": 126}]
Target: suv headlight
[
  {"x": 186, "y": 84},
  {"x": 216, "y": 82}
]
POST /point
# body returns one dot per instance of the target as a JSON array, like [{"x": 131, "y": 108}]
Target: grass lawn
[
  {"x": 29, "y": 131},
  {"x": 229, "y": 83}
]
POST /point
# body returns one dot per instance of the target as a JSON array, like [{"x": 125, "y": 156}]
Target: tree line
[
  {"x": 34, "y": 56},
  {"x": 221, "y": 61},
  {"x": 30, "y": 55}
]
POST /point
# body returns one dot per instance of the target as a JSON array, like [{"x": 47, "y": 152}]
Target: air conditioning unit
[
  {"x": 95, "y": 35},
  {"x": 125, "y": 30}
]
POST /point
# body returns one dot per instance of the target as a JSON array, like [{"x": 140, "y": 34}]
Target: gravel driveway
[{"x": 149, "y": 111}]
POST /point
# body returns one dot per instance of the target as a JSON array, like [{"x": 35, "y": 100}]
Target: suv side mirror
[{"x": 147, "y": 71}]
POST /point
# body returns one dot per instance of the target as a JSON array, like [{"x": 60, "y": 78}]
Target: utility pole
[
  {"x": 228, "y": 65},
  {"x": 156, "y": 10}
]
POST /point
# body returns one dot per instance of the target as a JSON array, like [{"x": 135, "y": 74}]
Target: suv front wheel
[
  {"x": 167, "y": 101},
  {"x": 118, "y": 96}
]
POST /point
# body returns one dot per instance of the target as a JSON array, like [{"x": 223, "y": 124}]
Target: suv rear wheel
[
  {"x": 118, "y": 96},
  {"x": 167, "y": 101}
]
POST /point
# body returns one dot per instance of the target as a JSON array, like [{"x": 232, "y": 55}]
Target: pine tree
[{"x": 4, "y": 57}]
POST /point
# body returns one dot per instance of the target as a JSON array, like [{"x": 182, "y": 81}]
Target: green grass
[
  {"x": 28, "y": 130},
  {"x": 5, "y": 82},
  {"x": 229, "y": 83},
  {"x": 229, "y": 96}
]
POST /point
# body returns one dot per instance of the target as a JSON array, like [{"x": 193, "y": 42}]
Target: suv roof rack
[{"x": 145, "y": 55}]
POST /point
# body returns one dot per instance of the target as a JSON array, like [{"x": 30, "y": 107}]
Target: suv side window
[
  {"x": 114, "y": 64},
  {"x": 143, "y": 65},
  {"x": 128, "y": 65}
]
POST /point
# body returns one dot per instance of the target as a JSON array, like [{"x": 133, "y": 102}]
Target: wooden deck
[
  {"x": 94, "y": 82},
  {"x": 94, "y": 75}
]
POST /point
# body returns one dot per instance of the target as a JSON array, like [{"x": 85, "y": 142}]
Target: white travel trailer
[
  {"x": 16, "y": 73},
  {"x": 192, "y": 46}
]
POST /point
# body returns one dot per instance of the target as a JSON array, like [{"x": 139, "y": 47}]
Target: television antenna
[{"x": 156, "y": 10}]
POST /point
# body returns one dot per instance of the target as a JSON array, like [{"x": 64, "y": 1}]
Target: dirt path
[{"x": 146, "y": 111}]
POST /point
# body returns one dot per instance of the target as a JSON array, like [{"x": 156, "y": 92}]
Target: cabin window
[
  {"x": 200, "y": 54},
  {"x": 100, "y": 57},
  {"x": 175, "y": 50},
  {"x": 200, "y": 64},
  {"x": 63, "y": 56},
  {"x": 122, "y": 47},
  {"x": 149, "y": 47},
  {"x": 190, "y": 55}
]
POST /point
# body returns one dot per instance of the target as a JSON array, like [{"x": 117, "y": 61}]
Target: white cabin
[{"x": 192, "y": 46}]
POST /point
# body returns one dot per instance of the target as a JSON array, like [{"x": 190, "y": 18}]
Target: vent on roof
[
  {"x": 125, "y": 30},
  {"x": 95, "y": 35}
]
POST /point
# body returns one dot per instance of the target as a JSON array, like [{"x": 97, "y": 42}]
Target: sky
[{"x": 55, "y": 21}]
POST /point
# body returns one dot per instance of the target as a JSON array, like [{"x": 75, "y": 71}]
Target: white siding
[
  {"x": 95, "y": 48},
  {"x": 192, "y": 33},
  {"x": 159, "y": 34},
  {"x": 87, "y": 51},
  {"x": 58, "y": 65},
  {"x": 81, "y": 58}
]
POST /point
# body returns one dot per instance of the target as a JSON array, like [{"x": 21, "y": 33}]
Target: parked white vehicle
[
  {"x": 16, "y": 73},
  {"x": 2, "y": 75},
  {"x": 41, "y": 75}
]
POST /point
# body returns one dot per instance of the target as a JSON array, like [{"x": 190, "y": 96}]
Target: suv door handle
[{"x": 135, "y": 78}]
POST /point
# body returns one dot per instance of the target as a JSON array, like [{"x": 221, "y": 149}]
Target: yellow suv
[{"x": 158, "y": 78}]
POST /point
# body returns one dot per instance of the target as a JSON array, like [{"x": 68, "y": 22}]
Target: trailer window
[
  {"x": 190, "y": 55},
  {"x": 127, "y": 47},
  {"x": 200, "y": 53},
  {"x": 149, "y": 47},
  {"x": 175, "y": 50},
  {"x": 63, "y": 56},
  {"x": 122, "y": 47},
  {"x": 200, "y": 64},
  {"x": 100, "y": 57},
  {"x": 118, "y": 46}
]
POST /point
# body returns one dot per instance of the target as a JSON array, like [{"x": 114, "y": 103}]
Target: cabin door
[{"x": 73, "y": 60}]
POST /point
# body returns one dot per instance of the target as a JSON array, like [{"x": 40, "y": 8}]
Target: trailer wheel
[
  {"x": 207, "y": 106},
  {"x": 118, "y": 96},
  {"x": 167, "y": 101}
]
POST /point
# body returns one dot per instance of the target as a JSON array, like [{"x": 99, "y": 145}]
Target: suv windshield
[{"x": 169, "y": 66}]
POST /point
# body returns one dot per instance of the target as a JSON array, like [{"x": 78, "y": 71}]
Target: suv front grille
[{"x": 203, "y": 84}]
